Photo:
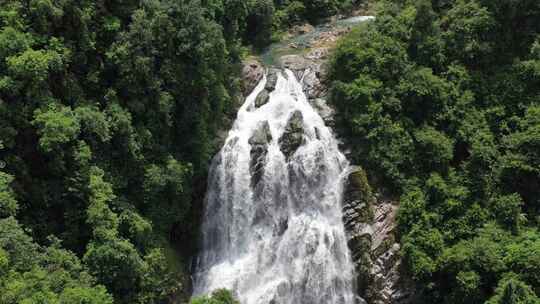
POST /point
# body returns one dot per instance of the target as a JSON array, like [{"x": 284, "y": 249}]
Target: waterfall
[{"x": 272, "y": 230}]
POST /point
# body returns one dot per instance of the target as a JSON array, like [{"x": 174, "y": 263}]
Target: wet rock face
[
  {"x": 259, "y": 149},
  {"x": 311, "y": 70},
  {"x": 314, "y": 81},
  {"x": 262, "y": 135},
  {"x": 262, "y": 99},
  {"x": 296, "y": 63},
  {"x": 252, "y": 73},
  {"x": 271, "y": 80},
  {"x": 270, "y": 86},
  {"x": 357, "y": 218},
  {"x": 324, "y": 110},
  {"x": 370, "y": 225},
  {"x": 293, "y": 137},
  {"x": 357, "y": 200}
]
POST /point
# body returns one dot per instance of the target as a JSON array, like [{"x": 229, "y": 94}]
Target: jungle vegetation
[
  {"x": 440, "y": 101},
  {"x": 108, "y": 117}
]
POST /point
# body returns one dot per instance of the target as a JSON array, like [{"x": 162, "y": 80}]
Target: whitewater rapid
[{"x": 272, "y": 229}]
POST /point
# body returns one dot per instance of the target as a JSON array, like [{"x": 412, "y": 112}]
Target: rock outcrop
[
  {"x": 262, "y": 98},
  {"x": 252, "y": 73},
  {"x": 370, "y": 225},
  {"x": 311, "y": 70},
  {"x": 264, "y": 95},
  {"x": 388, "y": 284},
  {"x": 324, "y": 110},
  {"x": 293, "y": 137},
  {"x": 271, "y": 80},
  {"x": 259, "y": 149},
  {"x": 296, "y": 63},
  {"x": 314, "y": 81}
]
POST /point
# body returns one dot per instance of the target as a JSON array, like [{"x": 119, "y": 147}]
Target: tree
[
  {"x": 508, "y": 211},
  {"x": 513, "y": 291},
  {"x": 112, "y": 260},
  {"x": 57, "y": 125},
  {"x": 220, "y": 296},
  {"x": 259, "y": 22},
  {"x": 520, "y": 166},
  {"x": 167, "y": 187},
  {"x": 8, "y": 202},
  {"x": 32, "y": 274},
  {"x": 435, "y": 147},
  {"x": 439, "y": 100}
]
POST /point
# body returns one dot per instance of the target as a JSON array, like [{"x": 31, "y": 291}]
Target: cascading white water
[{"x": 272, "y": 230}]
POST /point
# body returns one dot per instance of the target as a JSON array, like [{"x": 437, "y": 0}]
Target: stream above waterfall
[{"x": 322, "y": 35}]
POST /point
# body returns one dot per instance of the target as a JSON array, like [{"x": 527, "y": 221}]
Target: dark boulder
[
  {"x": 293, "y": 137},
  {"x": 271, "y": 79},
  {"x": 259, "y": 149},
  {"x": 262, "y": 135},
  {"x": 262, "y": 99}
]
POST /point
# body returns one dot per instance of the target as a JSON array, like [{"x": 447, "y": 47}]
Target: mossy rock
[
  {"x": 384, "y": 246},
  {"x": 359, "y": 181},
  {"x": 360, "y": 244},
  {"x": 358, "y": 196},
  {"x": 364, "y": 279}
]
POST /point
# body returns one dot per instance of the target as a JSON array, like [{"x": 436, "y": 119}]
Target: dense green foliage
[
  {"x": 108, "y": 117},
  {"x": 290, "y": 12},
  {"x": 440, "y": 101},
  {"x": 268, "y": 19},
  {"x": 109, "y": 110},
  {"x": 108, "y": 114},
  {"x": 30, "y": 273},
  {"x": 220, "y": 296}
]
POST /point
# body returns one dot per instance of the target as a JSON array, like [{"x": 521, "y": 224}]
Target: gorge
[
  {"x": 394, "y": 161},
  {"x": 280, "y": 187}
]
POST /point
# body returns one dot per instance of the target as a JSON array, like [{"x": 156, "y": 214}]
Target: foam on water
[{"x": 285, "y": 242}]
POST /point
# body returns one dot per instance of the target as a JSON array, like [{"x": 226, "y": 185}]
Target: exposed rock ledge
[
  {"x": 252, "y": 73},
  {"x": 370, "y": 224}
]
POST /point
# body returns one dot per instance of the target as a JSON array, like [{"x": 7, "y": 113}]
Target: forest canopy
[
  {"x": 109, "y": 114},
  {"x": 108, "y": 118},
  {"x": 440, "y": 102}
]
